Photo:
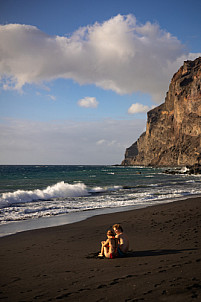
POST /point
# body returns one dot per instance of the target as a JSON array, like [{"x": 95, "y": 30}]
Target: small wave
[
  {"x": 184, "y": 170},
  {"x": 104, "y": 189},
  {"x": 97, "y": 190},
  {"x": 60, "y": 189},
  {"x": 136, "y": 167}
]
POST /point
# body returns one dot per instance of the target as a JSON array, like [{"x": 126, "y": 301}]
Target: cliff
[{"x": 173, "y": 132}]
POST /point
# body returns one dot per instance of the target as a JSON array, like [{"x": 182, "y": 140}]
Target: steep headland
[{"x": 173, "y": 131}]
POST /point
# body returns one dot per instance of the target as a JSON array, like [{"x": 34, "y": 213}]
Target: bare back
[
  {"x": 112, "y": 245},
  {"x": 123, "y": 242}
]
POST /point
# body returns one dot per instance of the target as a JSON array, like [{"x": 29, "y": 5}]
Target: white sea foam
[
  {"x": 104, "y": 189},
  {"x": 97, "y": 190},
  {"x": 122, "y": 188},
  {"x": 60, "y": 189},
  {"x": 184, "y": 170}
]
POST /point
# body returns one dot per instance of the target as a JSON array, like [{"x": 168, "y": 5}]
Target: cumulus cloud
[
  {"x": 98, "y": 142},
  {"x": 118, "y": 54},
  {"x": 138, "y": 108},
  {"x": 88, "y": 102}
]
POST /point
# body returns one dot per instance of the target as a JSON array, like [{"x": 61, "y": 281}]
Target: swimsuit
[{"x": 112, "y": 255}]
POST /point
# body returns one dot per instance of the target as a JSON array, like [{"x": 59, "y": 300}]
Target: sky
[{"x": 77, "y": 78}]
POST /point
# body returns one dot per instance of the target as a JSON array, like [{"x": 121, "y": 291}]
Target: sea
[{"x": 37, "y": 196}]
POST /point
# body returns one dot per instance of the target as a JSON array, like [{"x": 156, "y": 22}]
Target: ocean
[{"x": 45, "y": 195}]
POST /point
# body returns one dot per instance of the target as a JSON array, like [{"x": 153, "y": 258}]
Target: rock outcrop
[{"x": 173, "y": 132}]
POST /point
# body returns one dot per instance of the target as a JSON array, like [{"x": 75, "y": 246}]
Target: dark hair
[
  {"x": 110, "y": 233},
  {"x": 118, "y": 227}
]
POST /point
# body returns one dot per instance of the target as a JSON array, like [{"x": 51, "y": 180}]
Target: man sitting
[{"x": 122, "y": 239}]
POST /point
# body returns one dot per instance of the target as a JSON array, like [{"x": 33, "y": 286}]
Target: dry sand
[{"x": 60, "y": 263}]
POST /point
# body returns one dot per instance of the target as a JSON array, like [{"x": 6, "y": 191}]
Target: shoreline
[
  {"x": 164, "y": 262},
  {"x": 15, "y": 227}
]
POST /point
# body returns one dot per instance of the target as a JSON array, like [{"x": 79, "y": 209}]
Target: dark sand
[{"x": 59, "y": 263}]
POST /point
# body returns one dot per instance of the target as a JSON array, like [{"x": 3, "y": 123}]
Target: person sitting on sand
[
  {"x": 109, "y": 247},
  {"x": 122, "y": 240}
]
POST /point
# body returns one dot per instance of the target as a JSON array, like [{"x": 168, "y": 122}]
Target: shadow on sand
[
  {"x": 147, "y": 253},
  {"x": 156, "y": 252}
]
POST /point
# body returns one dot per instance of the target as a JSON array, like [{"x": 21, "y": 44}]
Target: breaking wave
[{"x": 60, "y": 189}]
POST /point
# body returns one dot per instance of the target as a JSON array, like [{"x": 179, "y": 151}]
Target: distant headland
[{"x": 173, "y": 131}]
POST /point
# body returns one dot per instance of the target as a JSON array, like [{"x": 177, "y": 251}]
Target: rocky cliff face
[{"x": 173, "y": 132}]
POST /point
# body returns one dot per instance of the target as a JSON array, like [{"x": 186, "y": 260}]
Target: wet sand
[{"x": 60, "y": 263}]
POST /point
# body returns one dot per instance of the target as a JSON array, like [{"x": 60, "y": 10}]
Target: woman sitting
[{"x": 109, "y": 247}]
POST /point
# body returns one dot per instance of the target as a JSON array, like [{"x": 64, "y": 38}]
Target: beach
[{"x": 61, "y": 263}]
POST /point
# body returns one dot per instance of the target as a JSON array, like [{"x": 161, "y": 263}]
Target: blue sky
[{"x": 78, "y": 77}]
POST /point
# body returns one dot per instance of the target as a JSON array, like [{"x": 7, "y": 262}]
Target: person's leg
[
  {"x": 101, "y": 252},
  {"x": 106, "y": 252}
]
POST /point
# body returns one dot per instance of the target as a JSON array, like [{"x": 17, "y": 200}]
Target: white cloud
[
  {"x": 98, "y": 142},
  {"x": 138, "y": 108},
  {"x": 88, "y": 102},
  {"x": 108, "y": 143},
  {"x": 52, "y": 97},
  {"x": 118, "y": 54},
  {"x": 101, "y": 142}
]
